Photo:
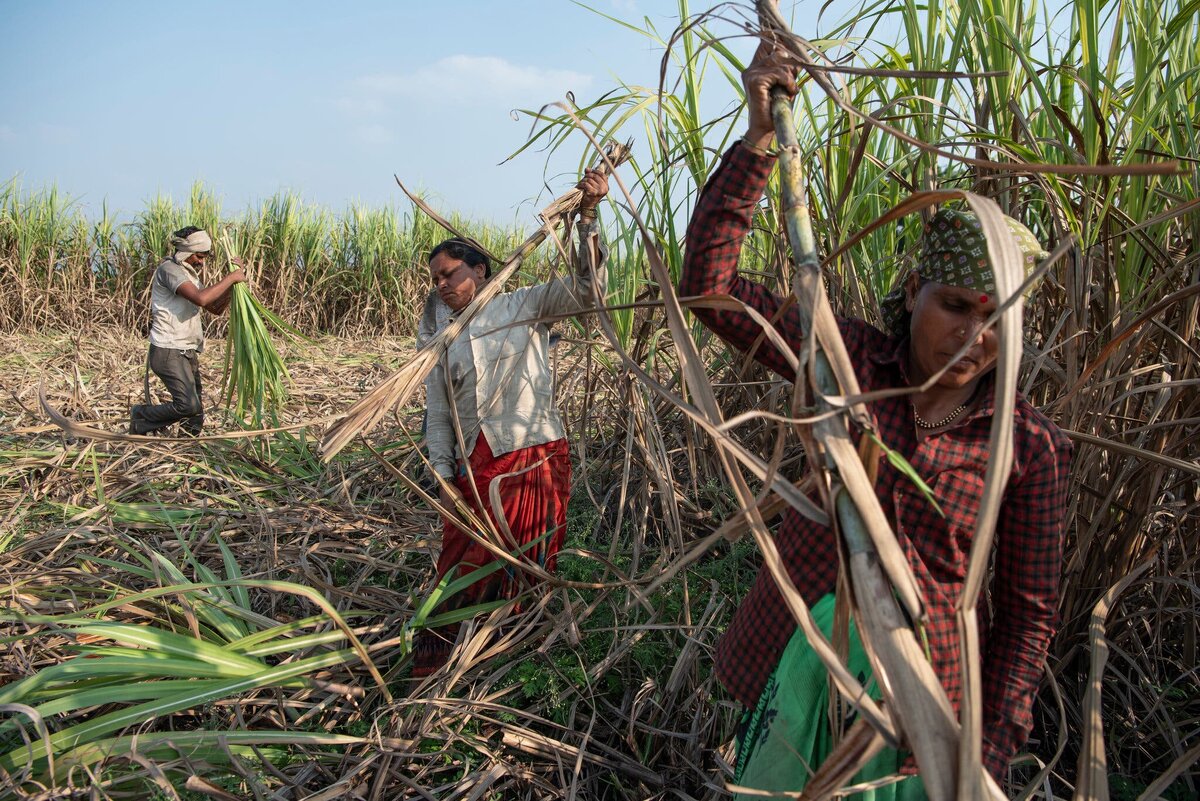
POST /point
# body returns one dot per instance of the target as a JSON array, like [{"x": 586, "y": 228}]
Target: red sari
[{"x": 534, "y": 487}]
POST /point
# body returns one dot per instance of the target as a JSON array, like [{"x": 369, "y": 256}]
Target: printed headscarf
[
  {"x": 954, "y": 253},
  {"x": 195, "y": 242}
]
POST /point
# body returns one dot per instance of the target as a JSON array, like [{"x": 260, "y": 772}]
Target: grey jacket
[{"x": 496, "y": 375}]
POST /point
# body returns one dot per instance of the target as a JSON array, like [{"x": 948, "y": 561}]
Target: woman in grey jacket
[{"x": 491, "y": 415}]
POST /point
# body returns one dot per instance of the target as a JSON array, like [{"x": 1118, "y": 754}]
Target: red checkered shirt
[{"x": 1028, "y": 549}]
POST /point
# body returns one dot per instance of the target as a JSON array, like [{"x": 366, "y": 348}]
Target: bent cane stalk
[{"x": 909, "y": 684}]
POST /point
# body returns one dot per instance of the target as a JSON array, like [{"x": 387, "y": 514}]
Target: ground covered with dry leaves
[{"x": 597, "y": 691}]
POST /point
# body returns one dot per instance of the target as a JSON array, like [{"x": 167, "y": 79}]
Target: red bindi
[{"x": 983, "y": 298}]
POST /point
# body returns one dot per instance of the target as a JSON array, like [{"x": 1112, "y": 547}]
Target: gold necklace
[{"x": 923, "y": 423}]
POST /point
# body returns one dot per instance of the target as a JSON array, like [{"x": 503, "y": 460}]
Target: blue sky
[
  {"x": 126, "y": 100},
  {"x": 121, "y": 101}
]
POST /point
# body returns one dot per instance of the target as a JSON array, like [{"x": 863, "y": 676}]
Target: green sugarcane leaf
[
  {"x": 114, "y": 692},
  {"x": 233, "y": 572},
  {"x": 230, "y": 627},
  {"x": 298, "y": 644},
  {"x": 118, "y": 566},
  {"x": 212, "y": 747},
  {"x": 158, "y": 640},
  {"x": 83, "y": 733},
  {"x": 283, "y": 630},
  {"x": 448, "y": 588},
  {"x": 907, "y": 470},
  {"x": 463, "y": 613}
]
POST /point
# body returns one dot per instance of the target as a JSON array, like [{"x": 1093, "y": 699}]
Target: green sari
[{"x": 788, "y": 734}]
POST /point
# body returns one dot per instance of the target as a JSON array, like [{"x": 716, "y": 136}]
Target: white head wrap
[{"x": 196, "y": 242}]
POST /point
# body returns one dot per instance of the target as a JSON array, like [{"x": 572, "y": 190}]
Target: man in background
[{"x": 177, "y": 334}]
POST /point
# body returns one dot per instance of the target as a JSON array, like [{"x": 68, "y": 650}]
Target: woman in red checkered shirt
[{"x": 943, "y": 432}]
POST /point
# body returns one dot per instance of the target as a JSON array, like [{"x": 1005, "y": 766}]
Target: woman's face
[
  {"x": 944, "y": 318},
  {"x": 455, "y": 280}
]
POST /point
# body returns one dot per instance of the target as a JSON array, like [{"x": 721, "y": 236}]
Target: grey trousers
[{"x": 180, "y": 371}]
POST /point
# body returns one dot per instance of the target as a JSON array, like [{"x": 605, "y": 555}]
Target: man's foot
[{"x": 137, "y": 423}]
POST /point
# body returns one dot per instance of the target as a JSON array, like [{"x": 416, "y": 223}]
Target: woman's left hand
[{"x": 594, "y": 187}]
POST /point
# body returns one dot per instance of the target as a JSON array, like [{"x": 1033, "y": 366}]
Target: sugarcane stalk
[
  {"x": 832, "y": 369},
  {"x": 908, "y": 681},
  {"x": 909, "y": 685}
]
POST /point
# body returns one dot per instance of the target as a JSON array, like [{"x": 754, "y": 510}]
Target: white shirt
[
  {"x": 174, "y": 320},
  {"x": 497, "y": 374}
]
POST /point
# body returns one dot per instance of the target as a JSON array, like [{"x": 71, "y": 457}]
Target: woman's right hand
[
  {"x": 594, "y": 186},
  {"x": 771, "y": 66}
]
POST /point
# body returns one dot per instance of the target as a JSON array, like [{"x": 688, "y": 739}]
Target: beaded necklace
[{"x": 923, "y": 423}]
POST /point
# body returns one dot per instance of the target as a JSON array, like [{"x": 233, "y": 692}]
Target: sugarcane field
[{"x": 626, "y": 400}]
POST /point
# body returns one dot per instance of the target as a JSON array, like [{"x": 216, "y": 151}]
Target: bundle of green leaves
[{"x": 254, "y": 371}]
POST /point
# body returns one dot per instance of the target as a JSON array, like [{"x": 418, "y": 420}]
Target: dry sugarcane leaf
[
  {"x": 857, "y": 748},
  {"x": 1092, "y": 774},
  {"x": 1131, "y": 450},
  {"x": 198, "y": 784},
  {"x": 1033, "y": 785},
  {"x": 480, "y": 783},
  {"x": 79, "y": 430},
  {"x": 530, "y": 742},
  {"x": 1129, "y": 330},
  {"x": 420, "y": 203},
  {"x": 732, "y": 529},
  {"x": 1157, "y": 787},
  {"x": 1006, "y": 260},
  {"x": 757, "y": 467}
]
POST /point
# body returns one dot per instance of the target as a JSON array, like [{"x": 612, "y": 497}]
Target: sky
[{"x": 119, "y": 102}]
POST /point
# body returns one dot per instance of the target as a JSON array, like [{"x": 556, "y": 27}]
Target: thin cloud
[
  {"x": 461, "y": 78},
  {"x": 375, "y": 134}
]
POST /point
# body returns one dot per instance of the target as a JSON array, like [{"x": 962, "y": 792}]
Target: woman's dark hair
[
  {"x": 184, "y": 233},
  {"x": 464, "y": 251}
]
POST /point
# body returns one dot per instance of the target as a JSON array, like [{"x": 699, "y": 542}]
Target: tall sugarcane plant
[{"x": 254, "y": 371}]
